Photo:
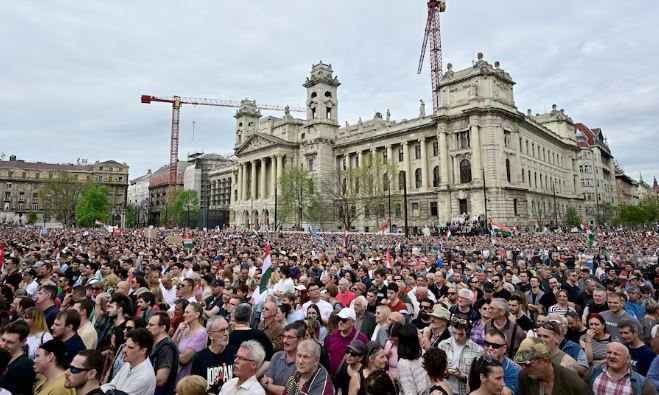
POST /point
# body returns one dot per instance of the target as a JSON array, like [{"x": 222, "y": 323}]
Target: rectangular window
[
  {"x": 463, "y": 140},
  {"x": 400, "y": 154},
  {"x": 21, "y": 206},
  {"x": 415, "y": 209},
  {"x": 417, "y": 151},
  {"x": 35, "y": 207},
  {"x": 21, "y": 197},
  {"x": 435, "y": 148},
  {"x": 310, "y": 165},
  {"x": 8, "y": 185},
  {"x": 398, "y": 210},
  {"x": 7, "y": 195},
  {"x": 433, "y": 209},
  {"x": 6, "y": 206},
  {"x": 515, "y": 206}
]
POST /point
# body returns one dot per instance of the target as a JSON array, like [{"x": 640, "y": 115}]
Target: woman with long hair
[
  {"x": 351, "y": 365},
  {"x": 379, "y": 383},
  {"x": 313, "y": 332},
  {"x": 478, "y": 330},
  {"x": 562, "y": 305},
  {"x": 412, "y": 378},
  {"x": 434, "y": 362},
  {"x": 381, "y": 331},
  {"x": 596, "y": 339},
  {"x": 391, "y": 349},
  {"x": 39, "y": 333},
  {"x": 191, "y": 337},
  {"x": 486, "y": 377},
  {"x": 314, "y": 312},
  {"x": 374, "y": 359}
]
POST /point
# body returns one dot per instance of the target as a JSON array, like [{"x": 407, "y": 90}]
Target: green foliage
[
  {"x": 60, "y": 195},
  {"x": 131, "y": 220},
  {"x": 93, "y": 205},
  {"x": 298, "y": 198},
  {"x": 645, "y": 213},
  {"x": 377, "y": 176},
  {"x": 186, "y": 208},
  {"x": 32, "y": 218},
  {"x": 571, "y": 217}
]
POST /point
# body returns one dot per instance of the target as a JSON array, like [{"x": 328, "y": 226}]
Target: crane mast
[{"x": 433, "y": 35}]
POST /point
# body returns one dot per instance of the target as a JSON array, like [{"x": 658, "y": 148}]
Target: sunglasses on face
[
  {"x": 495, "y": 346},
  {"x": 76, "y": 370},
  {"x": 353, "y": 353},
  {"x": 460, "y": 321}
]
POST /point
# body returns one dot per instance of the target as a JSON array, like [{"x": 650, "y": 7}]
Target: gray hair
[
  {"x": 211, "y": 321},
  {"x": 361, "y": 300},
  {"x": 466, "y": 293},
  {"x": 256, "y": 352},
  {"x": 312, "y": 346},
  {"x": 242, "y": 313},
  {"x": 633, "y": 290},
  {"x": 651, "y": 306},
  {"x": 502, "y": 304},
  {"x": 560, "y": 319}
]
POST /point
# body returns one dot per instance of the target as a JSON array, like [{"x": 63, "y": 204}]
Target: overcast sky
[{"x": 73, "y": 71}]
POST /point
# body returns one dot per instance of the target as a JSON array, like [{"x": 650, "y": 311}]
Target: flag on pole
[
  {"x": 502, "y": 230},
  {"x": 588, "y": 233},
  {"x": 449, "y": 235},
  {"x": 345, "y": 235},
  {"x": 389, "y": 263},
  {"x": 187, "y": 241},
  {"x": 266, "y": 270},
  {"x": 516, "y": 230}
]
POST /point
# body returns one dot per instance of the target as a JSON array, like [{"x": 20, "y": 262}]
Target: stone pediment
[{"x": 259, "y": 141}]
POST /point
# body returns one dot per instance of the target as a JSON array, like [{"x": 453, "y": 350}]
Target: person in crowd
[
  {"x": 192, "y": 385},
  {"x": 146, "y": 303},
  {"x": 313, "y": 291},
  {"x": 39, "y": 333},
  {"x": 352, "y": 364},
  {"x": 562, "y": 305},
  {"x": 84, "y": 373},
  {"x": 486, "y": 377},
  {"x": 500, "y": 313},
  {"x": 191, "y": 337},
  {"x": 282, "y": 364},
  {"x": 496, "y": 346},
  {"x": 379, "y": 383},
  {"x": 634, "y": 305},
  {"x": 248, "y": 360},
  {"x": 460, "y": 352},
  {"x": 313, "y": 312},
  {"x": 438, "y": 330},
  {"x": 599, "y": 303},
  {"x": 338, "y": 340},
  {"x": 50, "y": 363},
  {"x": 641, "y": 354},
  {"x": 518, "y": 310},
  {"x": 616, "y": 376},
  {"x": 596, "y": 339},
  {"x": 391, "y": 349},
  {"x": 111, "y": 325},
  {"x": 309, "y": 377},
  {"x": 137, "y": 376},
  {"x": 478, "y": 328},
  {"x": 215, "y": 363},
  {"x": 65, "y": 329},
  {"x": 242, "y": 331},
  {"x": 269, "y": 325},
  {"x": 533, "y": 296},
  {"x": 616, "y": 313},
  {"x": 87, "y": 332},
  {"x": 540, "y": 375},
  {"x": 45, "y": 301},
  {"x": 575, "y": 327},
  {"x": 365, "y": 321},
  {"x": 464, "y": 305},
  {"x": 179, "y": 309},
  {"x": 13, "y": 340},
  {"x": 650, "y": 320},
  {"x": 381, "y": 330},
  {"x": 412, "y": 378},
  {"x": 374, "y": 360},
  {"x": 551, "y": 334},
  {"x": 653, "y": 372},
  {"x": 435, "y": 363},
  {"x": 118, "y": 361},
  {"x": 164, "y": 355},
  {"x": 312, "y": 333}
]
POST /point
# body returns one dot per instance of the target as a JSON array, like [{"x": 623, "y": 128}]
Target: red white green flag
[
  {"x": 588, "y": 233},
  {"x": 266, "y": 270},
  {"x": 502, "y": 230},
  {"x": 449, "y": 235},
  {"x": 187, "y": 241}
]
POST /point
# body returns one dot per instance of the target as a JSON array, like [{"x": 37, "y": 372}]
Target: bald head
[
  {"x": 421, "y": 293},
  {"x": 618, "y": 348},
  {"x": 617, "y": 357},
  {"x": 123, "y": 287},
  {"x": 397, "y": 317}
]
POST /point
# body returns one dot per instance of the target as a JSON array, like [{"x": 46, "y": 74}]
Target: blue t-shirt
[{"x": 642, "y": 358}]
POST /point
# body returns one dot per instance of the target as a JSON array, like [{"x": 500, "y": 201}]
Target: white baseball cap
[{"x": 346, "y": 313}]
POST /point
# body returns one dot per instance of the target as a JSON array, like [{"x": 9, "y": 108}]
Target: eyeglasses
[
  {"x": 290, "y": 337},
  {"x": 426, "y": 307},
  {"x": 343, "y": 320},
  {"x": 76, "y": 370},
  {"x": 495, "y": 346},
  {"x": 487, "y": 360},
  {"x": 241, "y": 358},
  {"x": 353, "y": 353},
  {"x": 527, "y": 363},
  {"x": 460, "y": 321}
]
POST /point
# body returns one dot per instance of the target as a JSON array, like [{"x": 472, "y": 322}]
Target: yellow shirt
[{"x": 55, "y": 387}]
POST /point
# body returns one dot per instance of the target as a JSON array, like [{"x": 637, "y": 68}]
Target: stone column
[
  {"x": 443, "y": 158},
  {"x": 273, "y": 175},
  {"x": 245, "y": 188},
  {"x": 389, "y": 154},
  {"x": 252, "y": 188},
  {"x": 476, "y": 166},
  {"x": 360, "y": 159},
  {"x": 280, "y": 166},
  {"x": 406, "y": 165},
  {"x": 239, "y": 181},
  {"x": 374, "y": 153},
  {"x": 424, "y": 165},
  {"x": 262, "y": 192},
  {"x": 518, "y": 154}
]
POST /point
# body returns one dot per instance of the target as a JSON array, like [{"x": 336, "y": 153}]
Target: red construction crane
[
  {"x": 176, "y": 112},
  {"x": 432, "y": 31}
]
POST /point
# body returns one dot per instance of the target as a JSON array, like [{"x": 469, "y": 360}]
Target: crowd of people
[{"x": 288, "y": 313}]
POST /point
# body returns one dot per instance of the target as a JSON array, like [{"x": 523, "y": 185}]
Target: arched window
[
  {"x": 435, "y": 177},
  {"x": 417, "y": 178},
  {"x": 465, "y": 171},
  {"x": 401, "y": 179},
  {"x": 508, "y": 169}
]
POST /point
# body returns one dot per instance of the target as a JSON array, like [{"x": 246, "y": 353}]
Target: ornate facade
[{"x": 477, "y": 151}]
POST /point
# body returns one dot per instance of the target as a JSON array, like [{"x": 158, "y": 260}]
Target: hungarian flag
[
  {"x": 187, "y": 241},
  {"x": 389, "y": 260},
  {"x": 2, "y": 255},
  {"x": 266, "y": 270},
  {"x": 345, "y": 235},
  {"x": 385, "y": 226},
  {"x": 516, "y": 231},
  {"x": 449, "y": 235},
  {"x": 502, "y": 230},
  {"x": 589, "y": 233}
]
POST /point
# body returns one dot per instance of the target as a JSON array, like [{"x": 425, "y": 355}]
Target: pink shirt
[
  {"x": 196, "y": 341},
  {"x": 345, "y": 299}
]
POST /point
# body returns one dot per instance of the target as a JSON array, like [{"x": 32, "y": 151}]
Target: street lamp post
[
  {"x": 484, "y": 196},
  {"x": 553, "y": 188},
  {"x": 389, "y": 193},
  {"x": 407, "y": 231}
]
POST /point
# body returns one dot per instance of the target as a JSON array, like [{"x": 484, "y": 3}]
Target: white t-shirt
[
  {"x": 33, "y": 342},
  {"x": 324, "y": 307},
  {"x": 285, "y": 285}
]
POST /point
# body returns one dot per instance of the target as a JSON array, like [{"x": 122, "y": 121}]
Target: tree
[
  {"x": 298, "y": 196},
  {"x": 540, "y": 210},
  {"x": 186, "y": 207},
  {"x": 93, "y": 205},
  {"x": 60, "y": 196},
  {"x": 131, "y": 220},
  {"x": 32, "y": 218},
  {"x": 376, "y": 176},
  {"x": 342, "y": 190},
  {"x": 571, "y": 217}
]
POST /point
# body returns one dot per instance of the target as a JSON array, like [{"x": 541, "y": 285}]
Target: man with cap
[
  {"x": 215, "y": 301},
  {"x": 336, "y": 342},
  {"x": 540, "y": 375},
  {"x": 50, "y": 363},
  {"x": 438, "y": 329},
  {"x": 353, "y": 364},
  {"x": 488, "y": 294}
]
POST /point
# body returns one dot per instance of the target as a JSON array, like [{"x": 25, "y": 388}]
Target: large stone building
[
  {"x": 161, "y": 196},
  {"x": 138, "y": 198},
  {"x": 626, "y": 188},
  {"x": 21, "y": 182},
  {"x": 478, "y": 153}
]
